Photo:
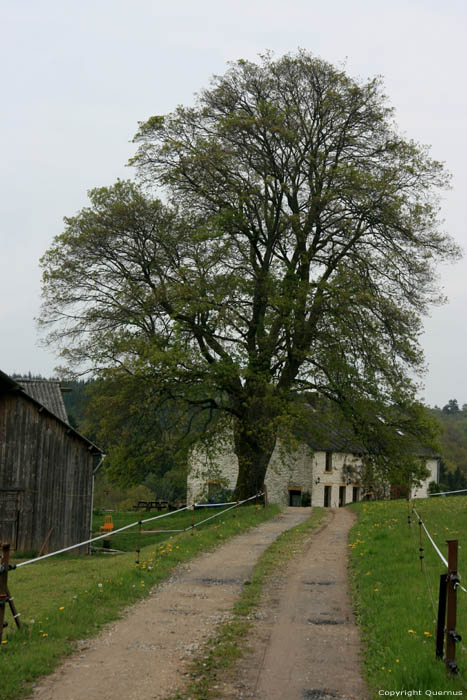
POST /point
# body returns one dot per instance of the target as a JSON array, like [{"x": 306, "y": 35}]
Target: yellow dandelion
[
  {"x": 411, "y": 632},
  {"x": 427, "y": 634},
  {"x": 4, "y": 641},
  {"x": 397, "y": 661},
  {"x": 62, "y": 607}
]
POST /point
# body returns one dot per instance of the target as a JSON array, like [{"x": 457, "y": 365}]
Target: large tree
[{"x": 294, "y": 252}]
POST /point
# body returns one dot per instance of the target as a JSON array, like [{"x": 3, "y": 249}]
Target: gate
[{"x": 10, "y": 509}]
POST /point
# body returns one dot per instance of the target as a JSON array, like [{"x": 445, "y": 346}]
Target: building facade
[{"x": 328, "y": 476}]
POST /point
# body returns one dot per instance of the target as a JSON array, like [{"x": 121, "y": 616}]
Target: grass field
[
  {"x": 66, "y": 598},
  {"x": 127, "y": 541},
  {"x": 396, "y": 601}
]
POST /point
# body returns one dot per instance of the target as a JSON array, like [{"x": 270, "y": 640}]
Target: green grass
[
  {"x": 394, "y": 599},
  {"x": 127, "y": 541},
  {"x": 66, "y": 598},
  {"x": 231, "y": 641}
]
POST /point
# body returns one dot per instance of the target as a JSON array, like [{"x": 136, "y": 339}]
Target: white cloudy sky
[{"x": 77, "y": 76}]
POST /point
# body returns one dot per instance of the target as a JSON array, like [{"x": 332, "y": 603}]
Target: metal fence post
[{"x": 452, "y": 582}]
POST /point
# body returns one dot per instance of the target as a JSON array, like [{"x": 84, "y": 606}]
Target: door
[
  {"x": 295, "y": 498},
  {"x": 10, "y": 507},
  {"x": 355, "y": 494},
  {"x": 341, "y": 496},
  {"x": 327, "y": 496}
]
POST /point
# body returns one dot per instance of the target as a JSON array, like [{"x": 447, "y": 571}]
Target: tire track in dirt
[
  {"x": 305, "y": 644},
  {"x": 146, "y": 654}
]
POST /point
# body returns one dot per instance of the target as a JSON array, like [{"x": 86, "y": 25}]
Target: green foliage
[
  {"x": 453, "y": 441},
  {"x": 108, "y": 496},
  {"x": 396, "y": 602},
  {"x": 295, "y": 253},
  {"x": 145, "y": 439},
  {"x": 452, "y": 407},
  {"x": 76, "y": 400}
]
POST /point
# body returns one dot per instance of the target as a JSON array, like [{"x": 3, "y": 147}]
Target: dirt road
[
  {"x": 144, "y": 656},
  {"x": 305, "y": 644}
]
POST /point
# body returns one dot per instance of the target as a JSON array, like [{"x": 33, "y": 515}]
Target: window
[{"x": 328, "y": 467}]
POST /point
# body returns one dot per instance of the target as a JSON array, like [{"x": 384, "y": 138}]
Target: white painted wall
[{"x": 422, "y": 491}]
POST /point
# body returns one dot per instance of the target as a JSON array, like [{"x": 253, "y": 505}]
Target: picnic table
[{"x": 151, "y": 505}]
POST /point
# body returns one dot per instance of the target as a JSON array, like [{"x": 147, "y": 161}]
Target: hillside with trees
[{"x": 454, "y": 444}]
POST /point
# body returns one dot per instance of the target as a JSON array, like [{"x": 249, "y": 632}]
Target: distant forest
[
  {"x": 454, "y": 444},
  {"x": 452, "y": 417}
]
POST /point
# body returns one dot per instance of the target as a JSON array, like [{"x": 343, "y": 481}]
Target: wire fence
[
  {"x": 447, "y": 493},
  {"x": 445, "y": 616},
  {"x": 5, "y": 566},
  {"x": 436, "y": 548},
  {"x": 107, "y": 535}
]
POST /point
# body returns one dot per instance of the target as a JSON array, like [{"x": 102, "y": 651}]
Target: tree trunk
[{"x": 254, "y": 445}]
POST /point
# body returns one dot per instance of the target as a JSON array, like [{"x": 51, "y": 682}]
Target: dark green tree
[
  {"x": 451, "y": 407},
  {"x": 295, "y": 252}
]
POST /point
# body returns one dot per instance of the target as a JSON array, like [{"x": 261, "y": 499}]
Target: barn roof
[
  {"x": 48, "y": 393},
  {"x": 7, "y": 384}
]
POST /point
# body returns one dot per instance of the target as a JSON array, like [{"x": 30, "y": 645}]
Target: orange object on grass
[{"x": 108, "y": 525}]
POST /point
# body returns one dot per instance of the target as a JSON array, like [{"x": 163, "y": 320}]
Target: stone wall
[{"x": 335, "y": 476}]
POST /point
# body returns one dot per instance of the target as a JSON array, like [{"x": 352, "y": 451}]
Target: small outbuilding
[{"x": 46, "y": 469}]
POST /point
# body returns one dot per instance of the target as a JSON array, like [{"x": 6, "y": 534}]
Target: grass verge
[
  {"x": 396, "y": 601},
  {"x": 230, "y": 643},
  {"x": 67, "y": 598}
]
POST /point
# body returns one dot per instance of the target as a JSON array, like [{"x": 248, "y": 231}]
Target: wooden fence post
[
  {"x": 443, "y": 582},
  {"x": 420, "y": 548},
  {"x": 4, "y": 597},
  {"x": 138, "y": 545},
  {"x": 451, "y": 635}
]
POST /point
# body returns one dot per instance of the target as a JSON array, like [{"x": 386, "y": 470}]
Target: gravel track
[{"x": 146, "y": 654}]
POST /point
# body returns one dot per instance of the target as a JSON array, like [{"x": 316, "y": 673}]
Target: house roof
[
  {"x": 49, "y": 402},
  {"x": 48, "y": 393},
  {"x": 330, "y": 432}
]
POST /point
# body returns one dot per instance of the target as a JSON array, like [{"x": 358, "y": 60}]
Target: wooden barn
[{"x": 46, "y": 469}]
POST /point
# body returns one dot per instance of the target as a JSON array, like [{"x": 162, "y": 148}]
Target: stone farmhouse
[{"x": 328, "y": 470}]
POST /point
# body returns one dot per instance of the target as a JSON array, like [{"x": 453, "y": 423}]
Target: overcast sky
[{"x": 78, "y": 76}]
